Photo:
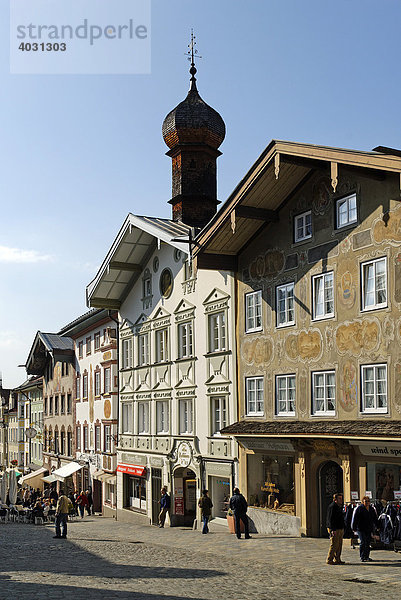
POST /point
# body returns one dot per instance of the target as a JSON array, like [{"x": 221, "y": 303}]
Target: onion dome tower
[{"x": 193, "y": 131}]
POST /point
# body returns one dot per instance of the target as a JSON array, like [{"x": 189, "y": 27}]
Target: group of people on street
[
  {"x": 364, "y": 521},
  {"x": 238, "y": 505}
]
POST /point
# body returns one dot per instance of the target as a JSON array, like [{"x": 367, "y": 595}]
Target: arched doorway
[
  {"x": 330, "y": 481},
  {"x": 184, "y": 509}
]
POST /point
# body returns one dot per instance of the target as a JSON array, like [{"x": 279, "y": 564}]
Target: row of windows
[
  {"x": 217, "y": 341},
  {"x": 107, "y": 334},
  {"x": 218, "y": 416},
  {"x": 373, "y": 296},
  {"x": 346, "y": 214},
  {"x": 82, "y": 392},
  {"x": 84, "y": 443},
  {"x": 323, "y": 402},
  {"x": 58, "y": 405},
  {"x": 58, "y": 443}
]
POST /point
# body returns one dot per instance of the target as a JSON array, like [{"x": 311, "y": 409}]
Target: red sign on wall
[
  {"x": 179, "y": 506},
  {"x": 137, "y": 470}
]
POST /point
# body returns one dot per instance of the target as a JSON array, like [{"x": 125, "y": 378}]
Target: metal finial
[{"x": 192, "y": 52}]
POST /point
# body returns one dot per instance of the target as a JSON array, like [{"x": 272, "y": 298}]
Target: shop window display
[
  {"x": 382, "y": 479},
  {"x": 271, "y": 482}
]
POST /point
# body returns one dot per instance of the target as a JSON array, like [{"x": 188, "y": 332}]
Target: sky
[{"x": 79, "y": 152}]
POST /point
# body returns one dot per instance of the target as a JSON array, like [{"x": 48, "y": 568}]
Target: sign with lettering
[
  {"x": 137, "y": 470},
  {"x": 381, "y": 450},
  {"x": 179, "y": 506},
  {"x": 368, "y": 494},
  {"x": 184, "y": 454},
  {"x": 397, "y": 494},
  {"x": 263, "y": 444},
  {"x": 354, "y": 495}
]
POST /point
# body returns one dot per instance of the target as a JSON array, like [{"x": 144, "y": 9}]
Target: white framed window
[
  {"x": 127, "y": 424},
  {"x": 161, "y": 341},
  {"x": 253, "y": 311},
  {"x": 107, "y": 438},
  {"x": 98, "y": 441},
  {"x": 107, "y": 380},
  {"x": 324, "y": 393},
  {"x": 217, "y": 332},
  {"x": 185, "y": 409},
  {"x": 323, "y": 295},
  {"x": 285, "y": 395},
  {"x": 303, "y": 226},
  {"x": 143, "y": 349},
  {"x": 126, "y": 354},
  {"x": 86, "y": 438},
  {"x": 374, "y": 388},
  {"x": 143, "y": 417},
  {"x": 185, "y": 340},
  {"x": 374, "y": 284},
  {"x": 97, "y": 383},
  {"x": 85, "y": 386},
  {"x": 78, "y": 437},
  {"x": 346, "y": 212},
  {"x": 254, "y": 396},
  {"x": 285, "y": 305},
  {"x": 162, "y": 420},
  {"x": 218, "y": 413},
  {"x": 78, "y": 395}
]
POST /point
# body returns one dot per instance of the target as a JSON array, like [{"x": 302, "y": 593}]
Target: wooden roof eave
[{"x": 306, "y": 154}]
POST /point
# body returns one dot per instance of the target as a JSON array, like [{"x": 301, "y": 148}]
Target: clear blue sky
[{"x": 80, "y": 152}]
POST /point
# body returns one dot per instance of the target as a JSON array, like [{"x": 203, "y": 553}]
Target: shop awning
[
  {"x": 110, "y": 479},
  {"x": 31, "y": 476},
  {"x": 66, "y": 470},
  {"x": 138, "y": 470},
  {"x": 49, "y": 478}
]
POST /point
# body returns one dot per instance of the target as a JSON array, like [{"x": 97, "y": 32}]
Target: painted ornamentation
[
  {"x": 389, "y": 229},
  {"x": 267, "y": 266},
  {"x": 349, "y": 387},
  {"x": 257, "y": 351},
  {"x": 346, "y": 286},
  {"x": 357, "y": 336},
  {"x": 321, "y": 196},
  {"x": 397, "y": 395},
  {"x": 304, "y": 345}
]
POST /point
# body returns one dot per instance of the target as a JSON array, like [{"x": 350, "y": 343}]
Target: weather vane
[{"x": 192, "y": 50}]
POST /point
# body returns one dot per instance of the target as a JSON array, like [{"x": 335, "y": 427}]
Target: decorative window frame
[
  {"x": 340, "y": 201},
  {"x": 257, "y": 296},
  {"x": 325, "y": 412},
  {"x": 325, "y": 315},
  {"x": 377, "y": 305},
  {"x": 286, "y": 323},
  {"x": 248, "y": 380},
  {"x": 286, "y": 413}
]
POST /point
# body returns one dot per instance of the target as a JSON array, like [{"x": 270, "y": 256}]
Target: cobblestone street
[{"x": 105, "y": 559}]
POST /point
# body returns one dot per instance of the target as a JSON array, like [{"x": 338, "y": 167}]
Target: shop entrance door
[
  {"x": 156, "y": 493},
  {"x": 330, "y": 481},
  {"x": 97, "y": 496}
]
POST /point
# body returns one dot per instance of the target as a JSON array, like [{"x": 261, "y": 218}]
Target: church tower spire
[{"x": 193, "y": 131}]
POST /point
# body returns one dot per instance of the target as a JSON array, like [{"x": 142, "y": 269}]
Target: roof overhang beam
[
  {"x": 116, "y": 265},
  {"x": 220, "y": 262},
  {"x": 259, "y": 214},
  {"x": 104, "y": 303}
]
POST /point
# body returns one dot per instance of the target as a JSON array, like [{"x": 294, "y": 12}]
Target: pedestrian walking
[
  {"x": 206, "y": 506},
  {"x": 364, "y": 521},
  {"x": 89, "y": 506},
  {"x": 62, "y": 510},
  {"x": 81, "y": 502},
  {"x": 239, "y": 505},
  {"x": 164, "y": 506},
  {"x": 335, "y": 527}
]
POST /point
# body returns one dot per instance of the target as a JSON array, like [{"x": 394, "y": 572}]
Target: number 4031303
[{"x": 42, "y": 47}]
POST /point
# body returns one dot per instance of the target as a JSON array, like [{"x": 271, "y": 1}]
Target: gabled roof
[
  {"x": 45, "y": 344},
  {"x": 276, "y": 175},
  {"x": 33, "y": 382},
  {"x": 128, "y": 255}
]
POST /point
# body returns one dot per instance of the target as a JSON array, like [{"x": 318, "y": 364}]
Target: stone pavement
[{"x": 106, "y": 559}]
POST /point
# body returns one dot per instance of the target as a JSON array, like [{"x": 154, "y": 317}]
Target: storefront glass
[
  {"x": 219, "y": 492},
  {"x": 270, "y": 478},
  {"x": 382, "y": 479},
  {"x": 135, "y": 492}
]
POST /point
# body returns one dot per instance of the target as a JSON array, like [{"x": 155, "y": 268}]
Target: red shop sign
[
  {"x": 179, "y": 506},
  {"x": 132, "y": 470}
]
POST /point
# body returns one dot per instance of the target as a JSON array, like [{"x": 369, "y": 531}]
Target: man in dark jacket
[
  {"x": 239, "y": 505},
  {"x": 206, "y": 506},
  {"x": 335, "y": 527},
  {"x": 364, "y": 521},
  {"x": 164, "y": 506}
]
